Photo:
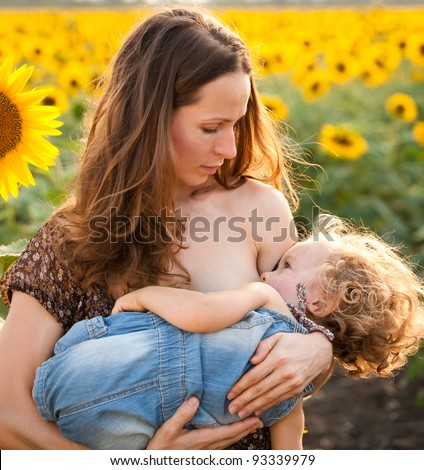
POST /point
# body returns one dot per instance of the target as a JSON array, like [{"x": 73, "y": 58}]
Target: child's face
[{"x": 300, "y": 263}]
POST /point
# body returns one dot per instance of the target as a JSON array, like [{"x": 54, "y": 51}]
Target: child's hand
[{"x": 129, "y": 303}]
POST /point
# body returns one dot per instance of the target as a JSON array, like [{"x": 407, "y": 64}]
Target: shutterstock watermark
[{"x": 199, "y": 229}]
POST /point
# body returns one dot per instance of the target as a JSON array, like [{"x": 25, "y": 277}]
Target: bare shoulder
[
  {"x": 272, "y": 223},
  {"x": 249, "y": 196},
  {"x": 264, "y": 193}
]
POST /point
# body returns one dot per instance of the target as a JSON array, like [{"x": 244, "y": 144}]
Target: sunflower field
[{"x": 347, "y": 85}]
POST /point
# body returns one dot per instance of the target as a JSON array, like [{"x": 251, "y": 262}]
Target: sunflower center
[
  {"x": 10, "y": 125},
  {"x": 400, "y": 110},
  {"x": 49, "y": 101},
  {"x": 315, "y": 86},
  {"x": 379, "y": 63},
  {"x": 343, "y": 140}
]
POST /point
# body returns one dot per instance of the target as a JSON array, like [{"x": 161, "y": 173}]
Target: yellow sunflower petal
[
  {"x": 42, "y": 123},
  {"x": 42, "y": 112},
  {"x": 47, "y": 131},
  {"x": 19, "y": 170},
  {"x": 4, "y": 193},
  {"x": 5, "y": 71},
  {"x": 44, "y": 146},
  {"x": 6, "y": 68},
  {"x": 36, "y": 160},
  {"x": 13, "y": 187},
  {"x": 33, "y": 97},
  {"x": 18, "y": 79},
  {"x": 44, "y": 126},
  {"x": 9, "y": 185},
  {"x": 45, "y": 154}
]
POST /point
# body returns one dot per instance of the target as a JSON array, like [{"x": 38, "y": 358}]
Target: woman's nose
[{"x": 226, "y": 146}]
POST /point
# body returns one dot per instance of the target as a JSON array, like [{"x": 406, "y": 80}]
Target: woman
[{"x": 171, "y": 187}]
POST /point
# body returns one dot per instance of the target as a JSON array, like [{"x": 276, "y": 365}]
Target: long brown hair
[{"x": 126, "y": 180}]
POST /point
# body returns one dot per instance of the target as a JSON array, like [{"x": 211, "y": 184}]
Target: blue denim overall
[{"x": 113, "y": 381}]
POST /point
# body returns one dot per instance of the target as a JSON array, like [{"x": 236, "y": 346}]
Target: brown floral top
[{"x": 43, "y": 273}]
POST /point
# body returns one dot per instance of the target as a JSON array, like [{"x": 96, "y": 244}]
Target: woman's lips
[{"x": 211, "y": 170}]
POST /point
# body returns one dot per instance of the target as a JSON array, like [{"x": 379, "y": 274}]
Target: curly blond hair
[{"x": 379, "y": 316}]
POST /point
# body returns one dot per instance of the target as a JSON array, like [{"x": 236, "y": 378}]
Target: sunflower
[
  {"x": 400, "y": 39},
  {"x": 38, "y": 51},
  {"x": 58, "y": 98},
  {"x": 275, "y": 106},
  {"x": 341, "y": 142},
  {"x": 73, "y": 78},
  {"x": 415, "y": 49},
  {"x": 341, "y": 67},
  {"x": 23, "y": 125},
  {"x": 418, "y": 132},
  {"x": 373, "y": 75},
  {"x": 316, "y": 84},
  {"x": 402, "y": 106},
  {"x": 378, "y": 62}
]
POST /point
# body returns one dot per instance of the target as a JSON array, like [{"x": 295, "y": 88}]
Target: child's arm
[
  {"x": 194, "y": 311},
  {"x": 287, "y": 433}
]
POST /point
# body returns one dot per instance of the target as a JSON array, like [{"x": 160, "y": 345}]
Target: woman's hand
[
  {"x": 172, "y": 435},
  {"x": 285, "y": 364}
]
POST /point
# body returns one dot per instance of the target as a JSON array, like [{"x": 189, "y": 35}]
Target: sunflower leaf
[{"x": 10, "y": 253}]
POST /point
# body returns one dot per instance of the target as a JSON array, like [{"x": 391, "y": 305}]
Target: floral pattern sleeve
[{"x": 43, "y": 274}]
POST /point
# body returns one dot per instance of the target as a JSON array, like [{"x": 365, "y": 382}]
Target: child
[{"x": 114, "y": 380}]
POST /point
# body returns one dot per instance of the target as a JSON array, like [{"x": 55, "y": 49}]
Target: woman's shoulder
[
  {"x": 264, "y": 197},
  {"x": 42, "y": 271},
  {"x": 37, "y": 262},
  {"x": 261, "y": 189},
  {"x": 46, "y": 236}
]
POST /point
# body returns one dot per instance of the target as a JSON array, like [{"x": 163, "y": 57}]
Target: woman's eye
[{"x": 208, "y": 130}]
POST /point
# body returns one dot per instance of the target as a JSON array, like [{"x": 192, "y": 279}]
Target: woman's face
[{"x": 203, "y": 132}]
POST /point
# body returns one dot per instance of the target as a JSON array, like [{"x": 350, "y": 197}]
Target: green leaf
[{"x": 10, "y": 253}]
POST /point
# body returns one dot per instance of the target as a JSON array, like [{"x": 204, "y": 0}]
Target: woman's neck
[{"x": 186, "y": 195}]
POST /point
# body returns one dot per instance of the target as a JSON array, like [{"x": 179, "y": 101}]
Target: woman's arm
[
  {"x": 195, "y": 311},
  {"x": 287, "y": 433},
  {"x": 27, "y": 339}
]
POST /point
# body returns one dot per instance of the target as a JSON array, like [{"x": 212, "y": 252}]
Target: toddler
[{"x": 113, "y": 381}]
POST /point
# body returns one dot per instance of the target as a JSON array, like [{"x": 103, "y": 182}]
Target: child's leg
[{"x": 287, "y": 433}]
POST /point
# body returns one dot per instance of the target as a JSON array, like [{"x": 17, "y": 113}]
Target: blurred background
[{"x": 346, "y": 81}]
